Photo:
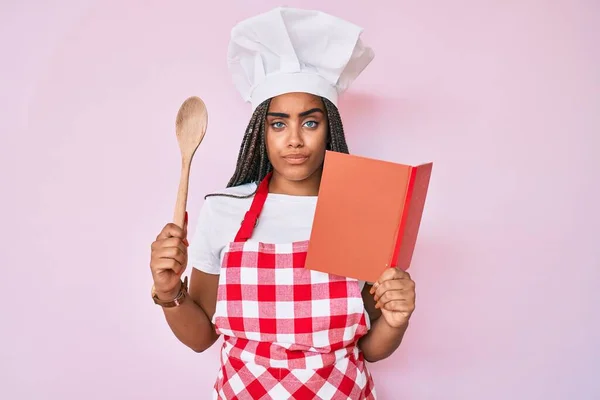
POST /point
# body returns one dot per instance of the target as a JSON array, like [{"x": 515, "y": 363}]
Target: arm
[
  {"x": 389, "y": 303},
  {"x": 191, "y": 321}
]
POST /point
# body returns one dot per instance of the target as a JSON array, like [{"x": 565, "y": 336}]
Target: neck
[{"x": 305, "y": 187}]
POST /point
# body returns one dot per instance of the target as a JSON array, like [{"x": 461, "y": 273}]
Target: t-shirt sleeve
[{"x": 202, "y": 255}]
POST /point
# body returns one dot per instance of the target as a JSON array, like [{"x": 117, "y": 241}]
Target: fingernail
[{"x": 185, "y": 241}]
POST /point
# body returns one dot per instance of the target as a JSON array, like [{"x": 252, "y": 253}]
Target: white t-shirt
[{"x": 283, "y": 219}]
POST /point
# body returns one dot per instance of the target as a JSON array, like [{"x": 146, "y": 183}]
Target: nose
[{"x": 295, "y": 138}]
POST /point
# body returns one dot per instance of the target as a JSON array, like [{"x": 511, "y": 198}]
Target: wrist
[
  {"x": 172, "y": 298},
  {"x": 167, "y": 296},
  {"x": 382, "y": 340},
  {"x": 399, "y": 327}
]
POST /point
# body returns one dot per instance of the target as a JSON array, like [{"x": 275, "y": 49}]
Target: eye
[
  {"x": 311, "y": 124},
  {"x": 278, "y": 125}
]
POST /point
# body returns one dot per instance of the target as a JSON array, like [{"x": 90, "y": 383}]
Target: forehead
[{"x": 295, "y": 103}]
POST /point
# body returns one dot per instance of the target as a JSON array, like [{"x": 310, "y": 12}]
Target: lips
[{"x": 295, "y": 158}]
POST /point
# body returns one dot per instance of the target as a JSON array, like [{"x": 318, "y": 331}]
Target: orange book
[{"x": 367, "y": 216}]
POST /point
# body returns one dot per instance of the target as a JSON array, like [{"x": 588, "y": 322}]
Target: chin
[{"x": 298, "y": 173}]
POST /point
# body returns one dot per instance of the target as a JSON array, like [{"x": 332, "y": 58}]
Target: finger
[
  {"x": 395, "y": 296},
  {"x": 167, "y": 264},
  {"x": 177, "y": 252},
  {"x": 389, "y": 274},
  {"x": 178, "y": 243},
  {"x": 164, "y": 264},
  {"x": 399, "y": 306},
  {"x": 394, "y": 284},
  {"x": 171, "y": 230},
  {"x": 391, "y": 295},
  {"x": 170, "y": 242},
  {"x": 171, "y": 252}
]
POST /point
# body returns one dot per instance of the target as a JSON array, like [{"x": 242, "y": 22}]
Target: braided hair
[{"x": 253, "y": 162}]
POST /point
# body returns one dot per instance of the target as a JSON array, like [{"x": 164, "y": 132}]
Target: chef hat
[{"x": 291, "y": 50}]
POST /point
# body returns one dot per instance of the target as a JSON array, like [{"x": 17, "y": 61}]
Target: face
[{"x": 296, "y": 135}]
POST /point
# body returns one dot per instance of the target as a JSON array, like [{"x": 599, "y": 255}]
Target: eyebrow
[{"x": 302, "y": 114}]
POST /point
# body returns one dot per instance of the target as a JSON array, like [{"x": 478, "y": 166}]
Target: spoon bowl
[{"x": 190, "y": 126}]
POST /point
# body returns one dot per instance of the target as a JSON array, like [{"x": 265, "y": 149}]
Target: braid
[
  {"x": 253, "y": 162},
  {"x": 337, "y": 138},
  {"x": 252, "y": 158}
]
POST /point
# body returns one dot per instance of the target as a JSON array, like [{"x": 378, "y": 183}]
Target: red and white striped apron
[{"x": 289, "y": 333}]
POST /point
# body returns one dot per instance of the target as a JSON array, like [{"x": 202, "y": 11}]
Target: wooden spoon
[{"x": 190, "y": 127}]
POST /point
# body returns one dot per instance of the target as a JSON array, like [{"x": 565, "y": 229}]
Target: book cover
[{"x": 367, "y": 216}]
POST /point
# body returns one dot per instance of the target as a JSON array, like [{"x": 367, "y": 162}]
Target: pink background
[{"x": 504, "y": 98}]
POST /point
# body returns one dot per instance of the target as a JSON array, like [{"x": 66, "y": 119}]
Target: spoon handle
[{"x": 182, "y": 194}]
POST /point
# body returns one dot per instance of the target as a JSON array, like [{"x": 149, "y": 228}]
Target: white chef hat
[{"x": 292, "y": 50}]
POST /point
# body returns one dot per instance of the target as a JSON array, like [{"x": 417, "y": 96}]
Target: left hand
[{"x": 394, "y": 294}]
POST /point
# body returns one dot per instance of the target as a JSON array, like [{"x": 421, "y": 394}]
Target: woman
[{"x": 288, "y": 332}]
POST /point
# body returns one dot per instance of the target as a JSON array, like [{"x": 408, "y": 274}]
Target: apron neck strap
[{"x": 251, "y": 217}]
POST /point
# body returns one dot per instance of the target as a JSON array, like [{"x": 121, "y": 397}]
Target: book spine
[{"x": 409, "y": 191}]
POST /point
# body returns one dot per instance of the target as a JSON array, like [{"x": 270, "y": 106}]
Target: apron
[{"x": 289, "y": 333}]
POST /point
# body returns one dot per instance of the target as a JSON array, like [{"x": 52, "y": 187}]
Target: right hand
[{"x": 169, "y": 259}]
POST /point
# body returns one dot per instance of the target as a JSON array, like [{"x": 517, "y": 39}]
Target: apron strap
[{"x": 251, "y": 217}]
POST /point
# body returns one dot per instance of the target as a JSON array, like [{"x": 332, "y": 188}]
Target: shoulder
[{"x": 217, "y": 223}]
